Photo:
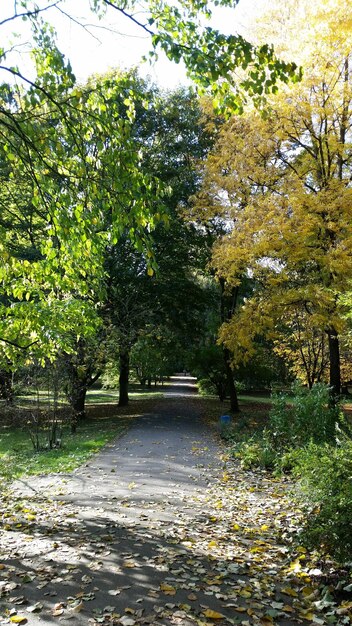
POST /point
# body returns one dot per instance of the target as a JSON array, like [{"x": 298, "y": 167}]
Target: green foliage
[
  {"x": 208, "y": 364},
  {"x": 263, "y": 370},
  {"x": 307, "y": 437},
  {"x": 295, "y": 419},
  {"x": 213, "y": 60},
  {"x": 325, "y": 485},
  {"x": 255, "y": 451},
  {"x": 304, "y": 415},
  {"x": 152, "y": 357}
]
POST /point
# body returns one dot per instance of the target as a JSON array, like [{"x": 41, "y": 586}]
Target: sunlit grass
[{"x": 17, "y": 457}]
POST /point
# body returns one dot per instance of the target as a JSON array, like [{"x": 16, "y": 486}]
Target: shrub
[
  {"x": 324, "y": 475},
  {"x": 256, "y": 451},
  {"x": 305, "y": 416},
  {"x": 310, "y": 438},
  {"x": 206, "y": 387}
]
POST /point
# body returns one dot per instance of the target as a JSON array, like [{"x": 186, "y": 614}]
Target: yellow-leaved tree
[{"x": 283, "y": 183}]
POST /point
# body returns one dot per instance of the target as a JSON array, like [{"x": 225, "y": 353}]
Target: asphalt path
[{"x": 107, "y": 536}]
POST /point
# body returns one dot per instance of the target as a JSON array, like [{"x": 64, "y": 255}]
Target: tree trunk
[
  {"x": 6, "y": 386},
  {"x": 334, "y": 360},
  {"x": 231, "y": 383},
  {"x": 124, "y": 376},
  {"x": 227, "y": 311},
  {"x": 79, "y": 399}
]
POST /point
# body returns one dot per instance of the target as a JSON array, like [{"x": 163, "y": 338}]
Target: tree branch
[
  {"x": 29, "y": 13},
  {"x": 17, "y": 345},
  {"x": 130, "y": 17}
]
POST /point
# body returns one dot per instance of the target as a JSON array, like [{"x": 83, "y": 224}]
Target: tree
[
  {"x": 55, "y": 154},
  {"x": 303, "y": 347},
  {"x": 212, "y": 58},
  {"x": 62, "y": 203},
  {"x": 171, "y": 138},
  {"x": 284, "y": 183}
]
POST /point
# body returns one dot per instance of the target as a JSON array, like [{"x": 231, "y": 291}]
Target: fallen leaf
[
  {"x": 168, "y": 589},
  {"x": 289, "y": 592},
  {"x": 76, "y": 608},
  {"x": 213, "y": 614},
  {"x": 34, "y": 608},
  {"x": 127, "y": 621}
]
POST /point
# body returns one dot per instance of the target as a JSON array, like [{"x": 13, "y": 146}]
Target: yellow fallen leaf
[
  {"x": 18, "y": 619},
  {"x": 308, "y": 616},
  {"x": 168, "y": 589},
  {"x": 307, "y": 591},
  {"x": 257, "y": 549},
  {"x": 295, "y": 566},
  {"x": 264, "y": 527},
  {"x": 213, "y": 614},
  {"x": 245, "y": 594},
  {"x": 301, "y": 549},
  {"x": 212, "y": 544},
  {"x": 266, "y": 620},
  {"x": 236, "y": 527},
  {"x": 290, "y": 592},
  {"x": 346, "y": 604}
]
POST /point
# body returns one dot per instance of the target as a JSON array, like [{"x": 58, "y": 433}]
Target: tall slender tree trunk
[
  {"x": 231, "y": 383},
  {"x": 124, "y": 376},
  {"x": 6, "y": 386},
  {"x": 334, "y": 360},
  {"x": 227, "y": 311}
]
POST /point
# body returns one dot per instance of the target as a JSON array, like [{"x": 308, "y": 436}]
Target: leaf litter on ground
[{"x": 230, "y": 555}]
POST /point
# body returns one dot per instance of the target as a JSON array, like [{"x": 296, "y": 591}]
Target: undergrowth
[{"x": 311, "y": 439}]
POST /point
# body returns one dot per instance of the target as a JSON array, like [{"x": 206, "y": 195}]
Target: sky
[{"x": 115, "y": 42}]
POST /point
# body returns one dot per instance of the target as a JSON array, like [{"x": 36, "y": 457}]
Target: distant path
[{"x": 180, "y": 386}]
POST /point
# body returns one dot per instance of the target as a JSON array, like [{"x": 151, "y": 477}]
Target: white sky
[{"x": 115, "y": 42}]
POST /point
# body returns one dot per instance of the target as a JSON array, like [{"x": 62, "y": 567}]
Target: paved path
[
  {"x": 155, "y": 530},
  {"x": 109, "y": 534}
]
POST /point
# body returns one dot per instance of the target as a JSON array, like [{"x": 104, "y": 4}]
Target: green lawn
[{"x": 17, "y": 457}]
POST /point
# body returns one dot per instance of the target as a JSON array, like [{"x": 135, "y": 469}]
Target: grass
[
  {"x": 105, "y": 422},
  {"x": 94, "y": 396},
  {"x": 17, "y": 457}
]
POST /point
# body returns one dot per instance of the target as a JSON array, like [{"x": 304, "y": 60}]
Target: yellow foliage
[{"x": 281, "y": 183}]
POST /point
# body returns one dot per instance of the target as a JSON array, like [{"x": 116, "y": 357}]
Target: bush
[
  {"x": 324, "y": 475},
  {"x": 256, "y": 451},
  {"x": 305, "y": 416},
  {"x": 307, "y": 436},
  {"x": 206, "y": 387}
]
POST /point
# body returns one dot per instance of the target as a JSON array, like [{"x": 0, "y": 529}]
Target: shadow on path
[{"x": 145, "y": 533}]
